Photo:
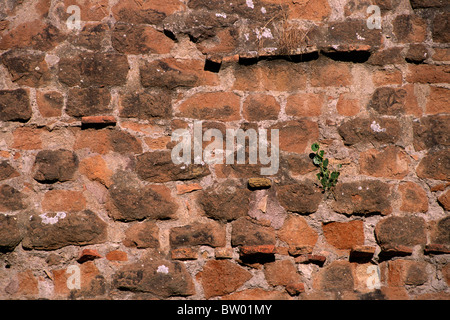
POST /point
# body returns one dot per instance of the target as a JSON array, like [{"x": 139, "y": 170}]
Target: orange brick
[{"x": 305, "y": 104}]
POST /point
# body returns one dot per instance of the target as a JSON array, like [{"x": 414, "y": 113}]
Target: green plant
[{"x": 326, "y": 177}]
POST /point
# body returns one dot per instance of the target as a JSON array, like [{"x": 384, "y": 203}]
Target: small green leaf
[
  {"x": 317, "y": 160},
  {"x": 325, "y": 163},
  {"x": 321, "y": 153},
  {"x": 334, "y": 175},
  {"x": 315, "y": 147}
]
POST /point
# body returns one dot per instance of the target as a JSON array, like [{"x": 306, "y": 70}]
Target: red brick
[
  {"x": 444, "y": 200},
  {"x": 434, "y": 164},
  {"x": 221, "y": 277},
  {"x": 15, "y": 105},
  {"x": 103, "y": 141},
  {"x": 281, "y": 273},
  {"x": 36, "y": 34},
  {"x": 223, "y": 106},
  {"x": 414, "y": 197},
  {"x": 337, "y": 276},
  {"x": 438, "y": 101},
  {"x": 297, "y": 136},
  {"x": 98, "y": 120},
  {"x": 296, "y": 232},
  {"x": 184, "y": 254},
  {"x": 344, "y": 235},
  {"x": 88, "y": 255},
  {"x": 210, "y": 233},
  {"x": 387, "y": 77},
  {"x": 257, "y": 250},
  {"x": 259, "y": 107},
  {"x": 28, "y": 284},
  {"x": 407, "y": 272},
  {"x": 401, "y": 231},
  {"x": 308, "y": 10},
  {"x": 27, "y": 138},
  {"x": 305, "y": 105},
  {"x": 347, "y": 106},
  {"x": 428, "y": 73},
  {"x": 63, "y": 200},
  {"x": 117, "y": 255},
  {"x": 331, "y": 74},
  {"x": 257, "y": 294},
  {"x": 187, "y": 188},
  {"x": 96, "y": 169},
  {"x": 391, "y": 162}
]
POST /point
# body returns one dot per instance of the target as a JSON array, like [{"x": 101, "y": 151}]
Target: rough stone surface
[
  {"x": 55, "y": 165},
  {"x": 406, "y": 231}
]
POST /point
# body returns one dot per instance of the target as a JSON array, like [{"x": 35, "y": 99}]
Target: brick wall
[{"x": 91, "y": 205}]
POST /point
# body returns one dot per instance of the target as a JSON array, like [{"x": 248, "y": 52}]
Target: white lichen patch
[
  {"x": 162, "y": 269},
  {"x": 250, "y": 4},
  {"x": 376, "y": 127},
  {"x": 52, "y": 220}
]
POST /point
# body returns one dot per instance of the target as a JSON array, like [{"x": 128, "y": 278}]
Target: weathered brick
[
  {"x": 441, "y": 24},
  {"x": 390, "y": 162},
  {"x": 401, "y": 231},
  {"x": 387, "y": 77},
  {"x": 363, "y": 197},
  {"x": 226, "y": 202},
  {"x": 440, "y": 231},
  {"x": 157, "y": 166},
  {"x": 27, "y": 138},
  {"x": 328, "y": 74},
  {"x": 435, "y": 165},
  {"x": 93, "y": 69},
  {"x": 96, "y": 169},
  {"x": 105, "y": 140},
  {"x": 347, "y": 106},
  {"x": 50, "y": 103},
  {"x": 11, "y": 234},
  {"x": 276, "y": 76},
  {"x": 146, "y": 104},
  {"x": 163, "y": 278},
  {"x": 88, "y": 255},
  {"x": 171, "y": 73},
  {"x": 139, "y": 39},
  {"x": 11, "y": 199},
  {"x": 437, "y": 101},
  {"x": 414, "y": 198},
  {"x": 53, "y": 231},
  {"x": 281, "y": 273},
  {"x": 222, "y": 106},
  {"x": 27, "y": 68},
  {"x": 388, "y": 101},
  {"x": 90, "y": 10},
  {"x": 409, "y": 28},
  {"x": 297, "y": 136},
  {"x": 299, "y": 198},
  {"x": 370, "y": 130},
  {"x": 88, "y": 101},
  {"x": 7, "y": 171},
  {"x": 352, "y": 33},
  {"x": 431, "y": 131},
  {"x": 344, "y": 235},
  {"x": 305, "y": 105},
  {"x": 129, "y": 203},
  {"x": 297, "y": 233},
  {"x": 419, "y": 4},
  {"x": 247, "y": 233},
  {"x": 91, "y": 36},
  {"x": 209, "y": 233},
  {"x": 63, "y": 200},
  {"x": 15, "y": 105},
  {"x": 36, "y": 34},
  {"x": 257, "y": 294},
  {"x": 142, "y": 235},
  {"x": 407, "y": 272},
  {"x": 221, "y": 277},
  {"x": 117, "y": 255},
  {"x": 428, "y": 73},
  {"x": 146, "y": 12},
  {"x": 28, "y": 284},
  {"x": 444, "y": 200},
  {"x": 337, "y": 276},
  {"x": 55, "y": 165},
  {"x": 417, "y": 53},
  {"x": 259, "y": 107}
]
